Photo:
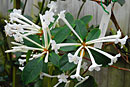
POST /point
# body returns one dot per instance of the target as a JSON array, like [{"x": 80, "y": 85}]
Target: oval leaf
[
  {"x": 93, "y": 34},
  {"x": 32, "y": 70}
]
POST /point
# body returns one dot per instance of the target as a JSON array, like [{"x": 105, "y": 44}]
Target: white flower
[
  {"x": 18, "y": 37},
  {"x": 77, "y": 75},
  {"x": 81, "y": 81},
  {"x": 55, "y": 47},
  {"x": 17, "y": 11},
  {"x": 73, "y": 58},
  {"x": 84, "y": 66},
  {"x": 21, "y": 68},
  {"x": 48, "y": 17},
  {"x": 122, "y": 41},
  {"x": 62, "y": 14},
  {"x": 46, "y": 58},
  {"x": 14, "y": 15},
  {"x": 52, "y": 6},
  {"x": 8, "y": 30},
  {"x": 18, "y": 27},
  {"x": 22, "y": 61},
  {"x": 113, "y": 58},
  {"x": 94, "y": 64},
  {"x": 62, "y": 78}
]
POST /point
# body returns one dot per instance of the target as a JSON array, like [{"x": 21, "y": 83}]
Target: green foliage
[
  {"x": 62, "y": 34},
  {"x": 54, "y": 58},
  {"x": 100, "y": 58},
  {"x": 69, "y": 48},
  {"x": 32, "y": 70},
  {"x": 90, "y": 82},
  {"x": 34, "y": 38},
  {"x": 81, "y": 29},
  {"x": 65, "y": 65},
  {"x": 28, "y": 55},
  {"x": 121, "y": 2},
  {"x": 93, "y": 34},
  {"x": 86, "y": 19},
  {"x": 69, "y": 18}
]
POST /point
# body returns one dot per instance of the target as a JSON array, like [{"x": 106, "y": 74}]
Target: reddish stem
[{"x": 120, "y": 68}]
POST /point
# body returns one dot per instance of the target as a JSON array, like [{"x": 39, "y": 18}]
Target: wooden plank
[
  {"x": 115, "y": 76},
  {"x": 127, "y": 76}
]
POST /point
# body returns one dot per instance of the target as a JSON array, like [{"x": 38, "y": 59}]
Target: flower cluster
[{"x": 21, "y": 28}]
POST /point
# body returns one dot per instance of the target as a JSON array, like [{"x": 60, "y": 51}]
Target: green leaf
[
  {"x": 69, "y": 18},
  {"x": 121, "y": 2},
  {"x": 93, "y": 34},
  {"x": 32, "y": 70},
  {"x": 28, "y": 55},
  {"x": 45, "y": 67},
  {"x": 86, "y": 19},
  {"x": 90, "y": 82},
  {"x": 69, "y": 48},
  {"x": 81, "y": 29},
  {"x": 65, "y": 65},
  {"x": 54, "y": 58},
  {"x": 100, "y": 58},
  {"x": 62, "y": 34},
  {"x": 34, "y": 38}
]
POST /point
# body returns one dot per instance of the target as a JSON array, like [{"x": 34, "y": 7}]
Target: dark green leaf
[
  {"x": 45, "y": 67},
  {"x": 69, "y": 18},
  {"x": 90, "y": 82},
  {"x": 62, "y": 34},
  {"x": 34, "y": 38},
  {"x": 28, "y": 55},
  {"x": 93, "y": 34},
  {"x": 54, "y": 58},
  {"x": 81, "y": 29},
  {"x": 86, "y": 19},
  {"x": 65, "y": 65},
  {"x": 100, "y": 58},
  {"x": 69, "y": 48},
  {"x": 121, "y": 2},
  {"x": 32, "y": 70}
]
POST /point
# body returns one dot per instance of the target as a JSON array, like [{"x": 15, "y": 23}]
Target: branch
[{"x": 125, "y": 69}]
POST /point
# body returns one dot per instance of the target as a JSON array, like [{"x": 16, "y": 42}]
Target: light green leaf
[{"x": 93, "y": 34}]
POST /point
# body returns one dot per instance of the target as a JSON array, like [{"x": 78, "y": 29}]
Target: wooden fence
[{"x": 107, "y": 77}]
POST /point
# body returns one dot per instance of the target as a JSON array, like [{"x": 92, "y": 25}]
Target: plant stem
[
  {"x": 125, "y": 69},
  {"x": 116, "y": 23},
  {"x": 16, "y": 4},
  {"x": 14, "y": 76},
  {"x": 80, "y": 9},
  {"x": 24, "y": 7},
  {"x": 43, "y": 1}
]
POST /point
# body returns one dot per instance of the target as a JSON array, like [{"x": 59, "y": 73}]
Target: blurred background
[{"x": 107, "y": 77}]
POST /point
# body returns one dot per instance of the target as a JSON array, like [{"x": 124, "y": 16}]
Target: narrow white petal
[
  {"x": 31, "y": 41},
  {"x": 69, "y": 44},
  {"x": 67, "y": 23},
  {"x": 46, "y": 58}
]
